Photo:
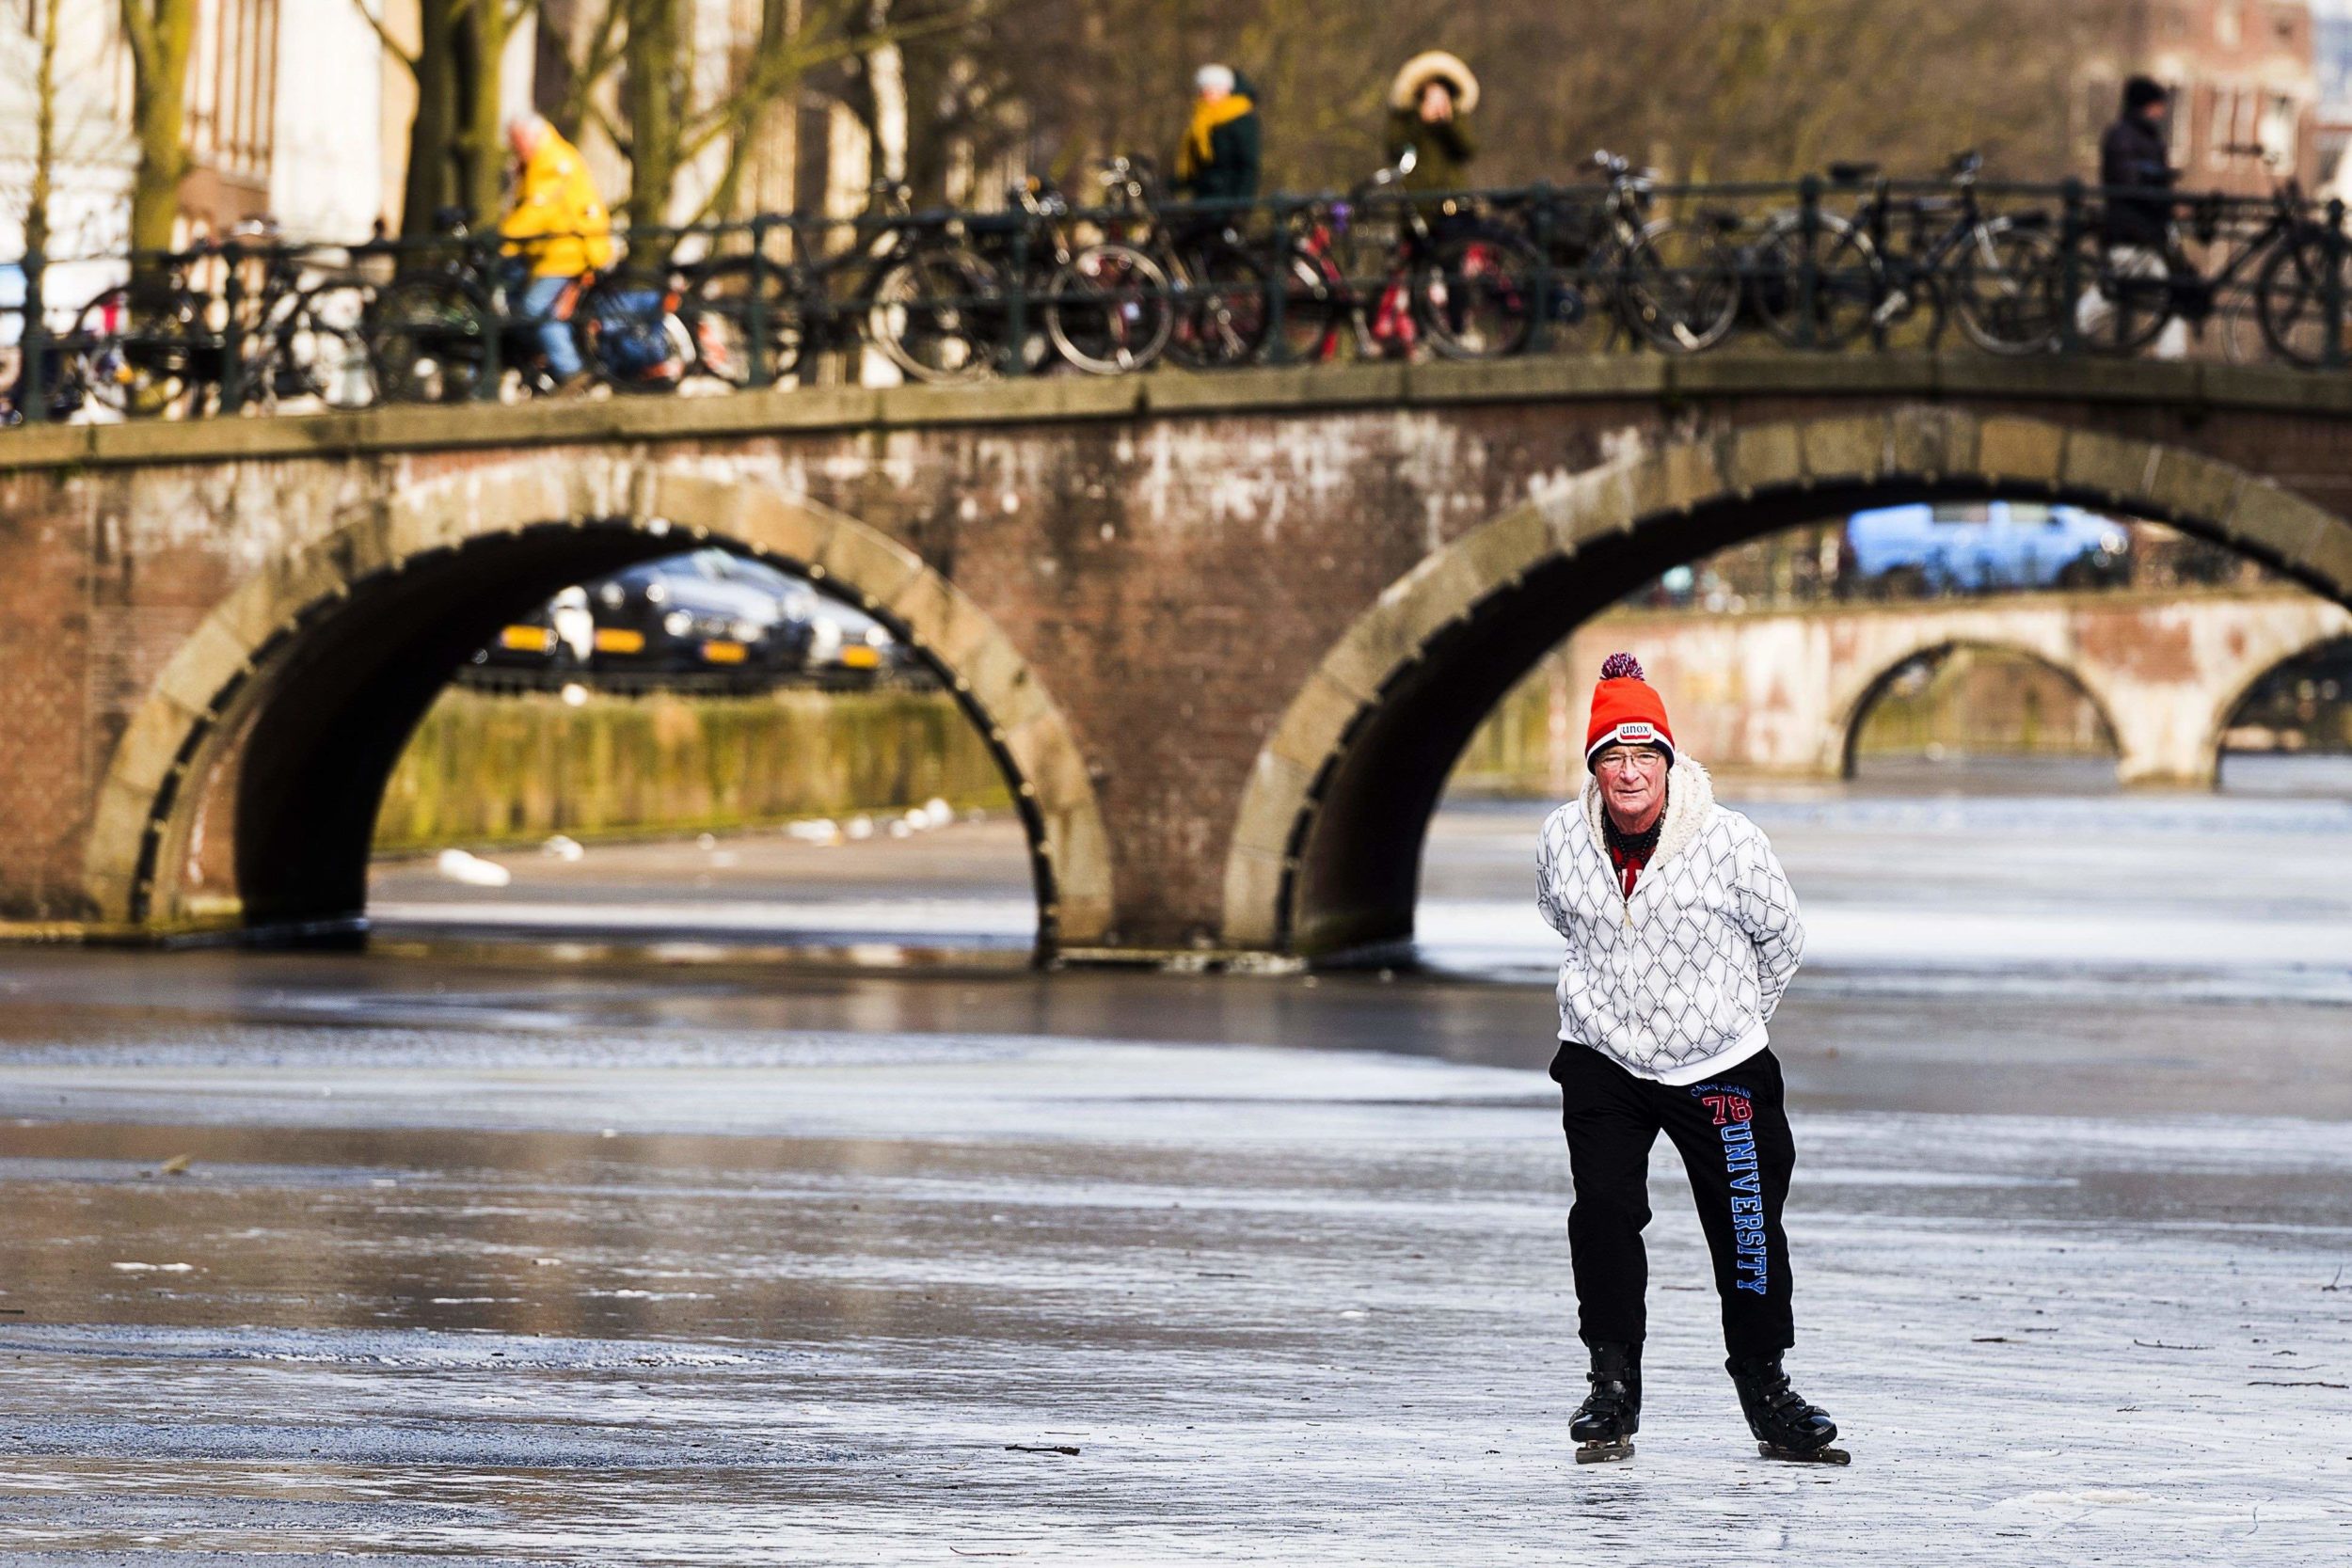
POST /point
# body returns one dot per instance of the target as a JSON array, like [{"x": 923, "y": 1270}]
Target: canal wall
[{"x": 487, "y": 769}]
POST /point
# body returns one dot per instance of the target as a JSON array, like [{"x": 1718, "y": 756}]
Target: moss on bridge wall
[{"x": 489, "y": 769}]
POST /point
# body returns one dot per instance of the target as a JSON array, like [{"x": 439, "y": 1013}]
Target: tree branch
[
  {"x": 785, "y": 66},
  {"x": 604, "y": 52},
  {"x": 383, "y": 34},
  {"x": 140, "y": 28}
]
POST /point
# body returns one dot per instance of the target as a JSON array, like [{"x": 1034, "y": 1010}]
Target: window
[{"x": 2279, "y": 136}]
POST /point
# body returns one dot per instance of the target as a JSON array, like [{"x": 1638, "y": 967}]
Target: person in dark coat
[
  {"x": 1224, "y": 145},
  {"x": 2136, "y": 231},
  {"x": 1429, "y": 108},
  {"x": 2132, "y": 156}
]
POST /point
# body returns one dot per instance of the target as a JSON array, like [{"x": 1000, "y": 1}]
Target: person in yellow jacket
[{"x": 559, "y": 226}]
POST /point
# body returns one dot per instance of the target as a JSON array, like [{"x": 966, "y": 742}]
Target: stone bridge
[
  {"x": 1786, "y": 691},
  {"x": 1226, "y": 634}
]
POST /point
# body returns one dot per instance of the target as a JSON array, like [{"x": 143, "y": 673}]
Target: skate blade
[
  {"x": 1804, "y": 1456},
  {"x": 1603, "y": 1454}
]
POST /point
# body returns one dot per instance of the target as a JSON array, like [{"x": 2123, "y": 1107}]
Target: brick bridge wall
[{"x": 1226, "y": 633}]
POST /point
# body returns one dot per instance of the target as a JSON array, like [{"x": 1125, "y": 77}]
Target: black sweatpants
[{"x": 1732, "y": 1133}]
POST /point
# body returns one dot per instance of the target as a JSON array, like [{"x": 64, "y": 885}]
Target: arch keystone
[
  {"x": 1765, "y": 457},
  {"x": 2020, "y": 450},
  {"x": 2111, "y": 464},
  {"x": 1845, "y": 448},
  {"x": 1931, "y": 441}
]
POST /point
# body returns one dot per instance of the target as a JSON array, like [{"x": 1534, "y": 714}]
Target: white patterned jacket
[{"x": 1676, "y": 982}]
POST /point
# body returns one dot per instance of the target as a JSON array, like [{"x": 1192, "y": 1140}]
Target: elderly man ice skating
[{"x": 1682, "y": 934}]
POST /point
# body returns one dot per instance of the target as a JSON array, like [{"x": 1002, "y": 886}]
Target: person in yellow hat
[{"x": 559, "y": 226}]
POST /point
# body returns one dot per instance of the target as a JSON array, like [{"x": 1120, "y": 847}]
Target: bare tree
[
  {"x": 160, "y": 33},
  {"x": 671, "y": 118},
  {"x": 455, "y": 154},
  {"x": 42, "y": 186}
]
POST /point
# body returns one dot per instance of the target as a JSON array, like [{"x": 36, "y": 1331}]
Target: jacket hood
[{"x": 1690, "y": 804}]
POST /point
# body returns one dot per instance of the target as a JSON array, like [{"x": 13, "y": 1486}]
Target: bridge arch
[
  {"x": 290, "y": 701},
  {"x": 1864, "y": 686},
  {"x": 2257, "y": 669},
  {"x": 1358, "y": 758}
]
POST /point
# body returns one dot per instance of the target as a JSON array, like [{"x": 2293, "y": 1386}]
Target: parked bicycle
[
  {"x": 903, "y": 282},
  {"x": 1823, "y": 279},
  {"x": 1218, "y": 315},
  {"x": 1464, "y": 286},
  {"x": 1663, "y": 283},
  {"x": 273, "y": 329}
]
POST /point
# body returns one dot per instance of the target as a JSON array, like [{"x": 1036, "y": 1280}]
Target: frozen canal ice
[
  {"x": 675, "y": 1281},
  {"x": 483, "y": 1253}
]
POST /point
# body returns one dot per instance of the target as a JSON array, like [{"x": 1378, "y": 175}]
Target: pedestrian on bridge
[
  {"x": 1224, "y": 144},
  {"x": 1682, "y": 934},
  {"x": 559, "y": 229},
  {"x": 2135, "y": 230},
  {"x": 1430, "y": 103}
]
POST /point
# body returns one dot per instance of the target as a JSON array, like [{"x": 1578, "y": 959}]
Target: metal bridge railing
[{"x": 1848, "y": 260}]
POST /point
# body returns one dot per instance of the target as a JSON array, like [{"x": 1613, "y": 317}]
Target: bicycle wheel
[
  {"x": 321, "y": 351},
  {"x": 630, "y": 333},
  {"x": 428, "y": 341},
  {"x": 929, "y": 311},
  {"x": 1474, "y": 295},
  {"x": 718, "y": 314},
  {"x": 1314, "y": 307},
  {"x": 136, "y": 350},
  {"x": 1109, "y": 311},
  {"x": 2235, "y": 321},
  {"x": 2126, "y": 298},
  {"x": 1833, "y": 306},
  {"x": 2006, "y": 289},
  {"x": 1679, "y": 288},
  {"x": 2292, "y": 299},
  {"x": 1222, "y": 318}
]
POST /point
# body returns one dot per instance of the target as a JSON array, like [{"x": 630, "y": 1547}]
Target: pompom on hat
[{"x": 1627, "y": 710}]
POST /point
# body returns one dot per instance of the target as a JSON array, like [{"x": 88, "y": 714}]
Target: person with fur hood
[{"x": 1682, "y": 934}]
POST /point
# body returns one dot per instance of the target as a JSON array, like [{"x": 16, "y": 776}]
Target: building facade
[{"x": 2245, "y": 85}]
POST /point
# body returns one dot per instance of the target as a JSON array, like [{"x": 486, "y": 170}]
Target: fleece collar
[{"x": 1689, "y": 803}]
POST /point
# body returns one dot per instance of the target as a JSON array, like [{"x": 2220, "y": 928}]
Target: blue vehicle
[{"x": 1983, "y": 547}]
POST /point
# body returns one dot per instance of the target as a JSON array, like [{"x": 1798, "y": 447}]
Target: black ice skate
[
  {"x": 1785, "y": 1426},
  {"x": 1605, "y": 1423}
]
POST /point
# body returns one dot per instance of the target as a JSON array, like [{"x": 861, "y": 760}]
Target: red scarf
[
  {"x": 1631, "y": 853},
  {"x": 1630, "y": 863}
]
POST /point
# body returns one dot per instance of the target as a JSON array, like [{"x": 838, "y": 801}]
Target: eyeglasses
[{"x": 1631, "y": 758}]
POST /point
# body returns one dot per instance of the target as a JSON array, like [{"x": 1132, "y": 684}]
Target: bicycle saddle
[{"x": 1843, "y": 173}]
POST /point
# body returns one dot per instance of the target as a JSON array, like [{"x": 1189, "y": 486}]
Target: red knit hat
[{"x": 1625, "y": 709}]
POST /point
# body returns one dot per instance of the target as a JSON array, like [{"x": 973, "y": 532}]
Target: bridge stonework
[
  {"x": 1227, "y": 633},
  {"x": 1786, "y": 691}
]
